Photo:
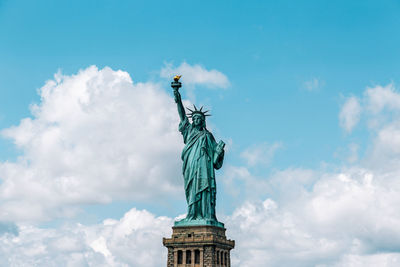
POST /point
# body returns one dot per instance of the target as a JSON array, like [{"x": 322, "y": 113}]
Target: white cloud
[
  {"x": 350, "y": 153},
  {"x": 345, "y": 218},
  {"x": 242, "y": 184},
  {"x": 380, "y": 97},
  {"x": 313, "y": 85},
  {"x": 98, "y": 127},
  {"x": 353, "y": 153},
  {"x": 260, "y": 153},
  {"x": 377, "y": 102},
  {"x": 134, "y": 240},
  {"x": 94, "y": 137},
  {"x": 341, "y": 217},
  {"x": 379, "y": 259},
  {"x": 196, "y": 75},
  {"x": 384, "y": 152},
  {"x": 381, "y": 105},
  {"x": 350, "y": 114}
]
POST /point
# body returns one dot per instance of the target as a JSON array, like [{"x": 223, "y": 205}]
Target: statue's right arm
[{"x": 181, "y": 109}]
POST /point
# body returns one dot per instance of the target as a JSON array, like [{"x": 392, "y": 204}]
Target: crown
[{"x": 197, "y": 111}]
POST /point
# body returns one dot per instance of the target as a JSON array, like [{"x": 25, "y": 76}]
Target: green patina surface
[
  {"x": 201, "y": 156},
  {"x": 198, "y": 222}
]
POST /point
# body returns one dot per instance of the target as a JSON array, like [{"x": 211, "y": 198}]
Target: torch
[{"x": 176, "y": 84}]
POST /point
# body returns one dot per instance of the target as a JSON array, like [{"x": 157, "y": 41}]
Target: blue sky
[
  {"x": 312, "y": 90},
  {"x": 268, "y": 51}
]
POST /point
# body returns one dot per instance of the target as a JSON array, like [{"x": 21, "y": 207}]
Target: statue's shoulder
[{"x": 209, "y": 134}]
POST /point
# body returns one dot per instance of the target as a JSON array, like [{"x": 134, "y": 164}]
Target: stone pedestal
[{"x": 198, "y": 246}]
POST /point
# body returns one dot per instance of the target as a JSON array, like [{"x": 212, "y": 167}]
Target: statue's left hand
[
  {"x": 219, "y": 155},
  {"x": 220, "y": 147}
]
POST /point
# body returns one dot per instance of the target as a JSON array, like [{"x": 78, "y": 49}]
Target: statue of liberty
[{"x": 200, "y": 156}]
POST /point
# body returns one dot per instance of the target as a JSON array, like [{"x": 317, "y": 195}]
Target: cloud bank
[
  {"x": 327, "y": 218},
  {"x": 134, "y": 240},
  {"x": 97, "y": 136}
]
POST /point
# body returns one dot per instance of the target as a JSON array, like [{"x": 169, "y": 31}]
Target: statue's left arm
[{"x": 219, "y": 155}]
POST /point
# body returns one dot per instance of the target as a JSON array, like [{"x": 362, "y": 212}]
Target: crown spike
[{"x": 200, "y": 111}]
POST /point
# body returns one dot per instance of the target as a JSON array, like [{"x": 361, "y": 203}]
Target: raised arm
[{"x": 181, "y": 109}]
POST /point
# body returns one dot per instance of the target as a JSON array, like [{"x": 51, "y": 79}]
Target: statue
[{"x": 200, "y": 156}]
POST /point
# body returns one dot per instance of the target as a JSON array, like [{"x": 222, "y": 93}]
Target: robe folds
[{"x": 199, "y": 160}]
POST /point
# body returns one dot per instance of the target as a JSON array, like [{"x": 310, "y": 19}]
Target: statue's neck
[{"x": 199, "y": 128}]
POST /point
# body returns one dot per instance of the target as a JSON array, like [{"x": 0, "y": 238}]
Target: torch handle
[{"x": 176, "y": 85}]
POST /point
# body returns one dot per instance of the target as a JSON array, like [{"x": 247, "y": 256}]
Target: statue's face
[{"x": 197, "y": 120}]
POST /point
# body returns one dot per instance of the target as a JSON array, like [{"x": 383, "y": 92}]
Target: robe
[{"x": 199, "y": 160}]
